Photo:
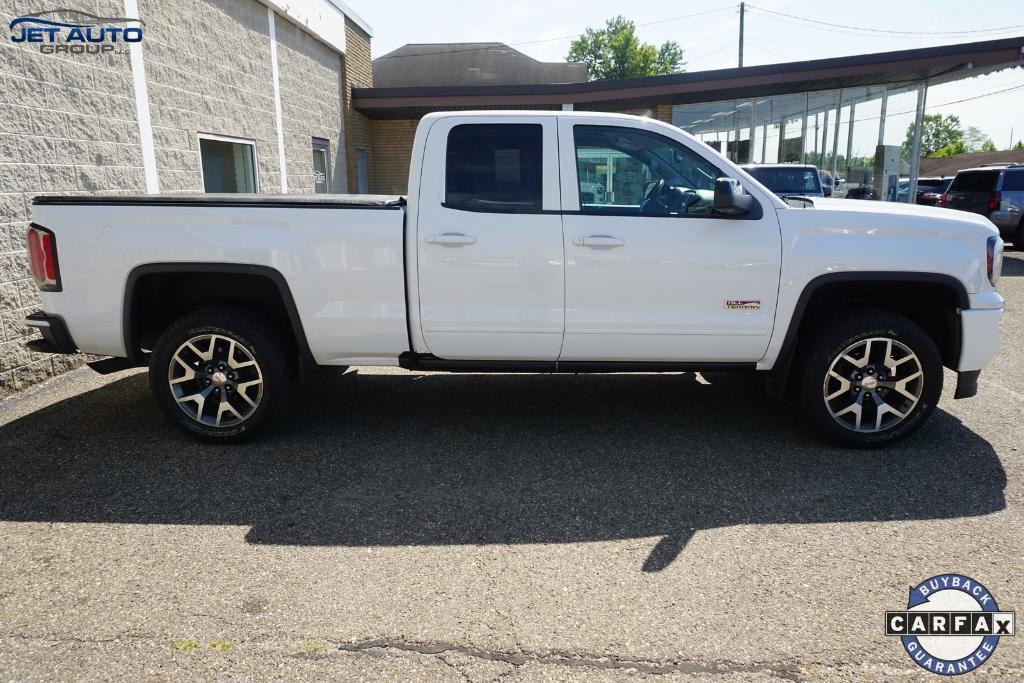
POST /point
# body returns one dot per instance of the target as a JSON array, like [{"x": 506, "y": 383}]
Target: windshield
[{"x": 797, "y": 180}]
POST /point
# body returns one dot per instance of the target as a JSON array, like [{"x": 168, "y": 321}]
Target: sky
[{"x": 544, "y": 29}]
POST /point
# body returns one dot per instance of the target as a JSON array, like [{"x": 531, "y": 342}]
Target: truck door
[
  {"x": 652, "y": 273},
  {"x": 489, "y": 240}
]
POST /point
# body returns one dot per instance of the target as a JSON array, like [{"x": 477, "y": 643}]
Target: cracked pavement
[{"x": 473, "y": 528}]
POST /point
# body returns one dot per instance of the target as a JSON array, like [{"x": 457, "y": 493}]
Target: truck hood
[
  {"x": 864, "y": 235},
  {"x": 882, "y": 215}
]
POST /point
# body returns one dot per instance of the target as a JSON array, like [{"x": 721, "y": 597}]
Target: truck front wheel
[
  {"x": 869, "y": 377},
  {"x": 220, "y": 374}
]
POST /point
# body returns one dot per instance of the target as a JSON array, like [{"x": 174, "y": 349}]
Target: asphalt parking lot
[{"x": 466, "y": 527}]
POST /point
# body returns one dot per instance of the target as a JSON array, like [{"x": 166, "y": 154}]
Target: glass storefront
[{"x": 842, "y": 132}]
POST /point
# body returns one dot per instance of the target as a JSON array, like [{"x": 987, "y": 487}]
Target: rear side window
[
  {"x": 494, "y": 167},
  {"x": 975, "y": 181},
  {"x": 1013, "y": 181}
]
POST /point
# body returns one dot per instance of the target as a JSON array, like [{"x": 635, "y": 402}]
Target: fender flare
[
  {"x": 780, "y": 369},
  {"x": 130, "y": 332}
]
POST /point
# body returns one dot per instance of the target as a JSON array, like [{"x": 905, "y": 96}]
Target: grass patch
[
  {"x": 185, "y": 645},
  {"x": 221, "y": 645},
  {"x": 312, "y": 647}
]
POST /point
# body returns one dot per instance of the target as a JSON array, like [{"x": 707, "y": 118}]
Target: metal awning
[{"x": 934, "y": 64}]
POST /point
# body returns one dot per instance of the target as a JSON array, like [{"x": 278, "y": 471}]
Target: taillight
[
  {"x": 943, "y": 200},
  {"x": 993, "y": 201},
  {"x": 42, "y": 258}
]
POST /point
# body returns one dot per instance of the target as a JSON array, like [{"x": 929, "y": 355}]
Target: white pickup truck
[{"x": 529, "y": 242}]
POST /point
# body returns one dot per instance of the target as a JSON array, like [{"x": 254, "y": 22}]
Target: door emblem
[{"x": 744, "y": 304}]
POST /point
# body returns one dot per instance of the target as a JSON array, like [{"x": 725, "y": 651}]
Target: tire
[
  {"x": 192, "y": 388},
  {"x": 868, "y": 357}
]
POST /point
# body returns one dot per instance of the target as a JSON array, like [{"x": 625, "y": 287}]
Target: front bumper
[
  {"x": 56, "y": 338},
  {"x": 979, "y": 343}
]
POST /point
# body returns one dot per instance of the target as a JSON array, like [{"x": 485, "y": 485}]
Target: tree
[
  {"x": 955, "y": 147},
  {"x": 975, "y": 138},
  {"x": 938, "y": 131},
  {"x": 615, "y": 52},
  {"x": 988, "y": 146},
  {"x": 1019, "y": 147}
]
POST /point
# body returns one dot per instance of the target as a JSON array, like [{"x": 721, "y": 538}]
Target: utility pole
[{"x": 743, "y": 11}]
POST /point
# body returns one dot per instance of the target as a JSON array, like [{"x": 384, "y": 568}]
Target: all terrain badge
[{"x": 951, "y": 626}]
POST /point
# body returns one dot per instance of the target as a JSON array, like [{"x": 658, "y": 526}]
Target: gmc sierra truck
[{"x": 528, "y": 242}]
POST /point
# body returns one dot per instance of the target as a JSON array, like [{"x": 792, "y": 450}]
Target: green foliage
[
  {"x": 185, "y": 645},
  {"x": 988, "y": 146},
  {"x": 1019, "y": 147},
  {"x": 955, "y": 147},
  {"x": 615, "y": 51},
  {"x": 221, "y": 645},
  {"x": 938, "y": 131}
]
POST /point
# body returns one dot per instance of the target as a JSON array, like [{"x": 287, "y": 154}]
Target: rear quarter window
[
  {"x": 1013, "y": 181},
  {"x": 975, "y": 181}
]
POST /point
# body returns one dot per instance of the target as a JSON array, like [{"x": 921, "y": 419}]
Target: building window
[
  {"x": 321, "y": 169},
  {"x": 494, "y": 167},
  {"x": 229, "y": 164}
]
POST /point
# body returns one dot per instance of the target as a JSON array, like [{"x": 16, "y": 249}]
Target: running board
[{"x": 430, "y": 362}]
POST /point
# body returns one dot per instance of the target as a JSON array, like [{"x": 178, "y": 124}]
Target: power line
[
  {"x": 551, "y": 40},
  {"x": 882, "y": 30}
]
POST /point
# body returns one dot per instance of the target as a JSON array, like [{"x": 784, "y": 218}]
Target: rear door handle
[
  {"x": 599, "y": 241},
  {"x": 451, "y": 239}
]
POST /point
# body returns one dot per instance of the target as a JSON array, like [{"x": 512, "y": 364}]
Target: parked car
[
  {"x": 929, "y": 190},
  {"x": 499, "y": 260},
  {"x": 794, "y": 180},
  {"x": 996, "y": 192},
  {"x": 861, "y": 192}
]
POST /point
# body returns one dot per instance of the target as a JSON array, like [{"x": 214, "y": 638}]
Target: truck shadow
[
  {"x": 461, "y": 459},
  {"x": 1013, "y": 263}
]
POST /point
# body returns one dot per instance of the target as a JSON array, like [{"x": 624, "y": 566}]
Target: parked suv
[{"x": 996, "y": 192}]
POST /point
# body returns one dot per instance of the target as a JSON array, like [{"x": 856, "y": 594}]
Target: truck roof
[{"x": 341, "y": 201}]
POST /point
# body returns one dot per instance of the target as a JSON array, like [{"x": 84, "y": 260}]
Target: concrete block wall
[
  {"x": 67, "y": 126},
  {"x": 208, "y": 70},
  {"x": 312, "y": 82}
]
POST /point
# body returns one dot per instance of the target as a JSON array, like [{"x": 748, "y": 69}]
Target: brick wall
[
  {"x": 67, "y": 125},
  {"x": 358, "y": 68},
  {"x": 392, "y": 150}
]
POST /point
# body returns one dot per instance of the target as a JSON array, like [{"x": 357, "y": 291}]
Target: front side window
[
  {"x": 494, "y": 167},
  {"x": 229, "y": 165},
  {"x": 321, "y": 168},
  {"x": 629, "y": 171}
]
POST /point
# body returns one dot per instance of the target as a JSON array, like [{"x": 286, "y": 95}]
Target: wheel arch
[
  {"x": 939, "y": 317},
  {"x": 132, "y": 315}
]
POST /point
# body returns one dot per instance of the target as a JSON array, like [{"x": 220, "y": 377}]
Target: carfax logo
[
  {"x": 68, "y": 31},
  {"x": 951, "y": 625}
]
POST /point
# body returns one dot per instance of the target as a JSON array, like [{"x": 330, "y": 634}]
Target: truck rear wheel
[
  {"x": 869, "y": 377},
  {"x": 220, "y": 374}
]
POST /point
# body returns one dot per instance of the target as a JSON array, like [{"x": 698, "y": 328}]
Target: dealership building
[{"x": 276, "y": 97}]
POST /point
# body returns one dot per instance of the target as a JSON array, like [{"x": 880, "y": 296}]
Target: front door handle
[
  {"x": 451, "y": 239},
  {"x": 604, "y": 241}
]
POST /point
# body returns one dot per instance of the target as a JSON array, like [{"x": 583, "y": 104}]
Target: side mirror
[{"x": 730, "y": 199}]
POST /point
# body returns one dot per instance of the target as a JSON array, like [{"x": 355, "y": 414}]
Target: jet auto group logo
[
  {"x": 72, "y": 32},
  {"x": 951, "y": 624}
]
